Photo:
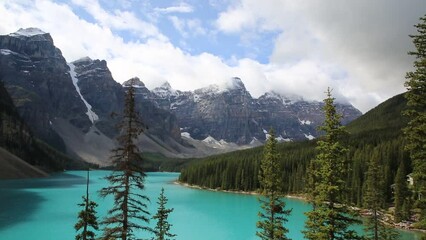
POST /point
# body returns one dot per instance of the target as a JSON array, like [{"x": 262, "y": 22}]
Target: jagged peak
[
  {"x": 28, "y": 32},
  {"x": 285, "y": 99},
  {"x": 166, "y": 85},
  {"x": 165, "y": 90},
  {"x": 211, "y": 89},
  {"x": 237, "y": 83},
  {"x": 83, "y": 59},
  {"x": 272, "y": 95},
  {"x": 135, "y": 82},
  {"x": 234, "y": 83}
]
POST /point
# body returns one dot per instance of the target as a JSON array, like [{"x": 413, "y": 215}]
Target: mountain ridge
[{"x": 69, "y": 106}]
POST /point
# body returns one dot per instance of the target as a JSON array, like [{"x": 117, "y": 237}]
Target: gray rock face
[
  {"x": 36, "y": 76},
  {"x": 48, "y": 91},
  {"x": 101, "y": 91},
  {"x": 59, "y": 100},
  {"x": 233, "y": 115},
  {"x": 159, "y": 122}
]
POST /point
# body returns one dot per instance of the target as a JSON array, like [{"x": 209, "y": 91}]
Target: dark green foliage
[
  {"x": 87, "y": 219},
  {"x": 401, "y": 194},
  {"x": 331, "y": 216},
  {"x": 154, "y": 162},
  {"x": 127, "y": 180},
  {"x": 374, "y": 201},
  {"x": 238, "y": 170},
  {"x": 273, "y": 214},
  {"x": 415, "y": 132},
  {"x": 162, "y": 229}
]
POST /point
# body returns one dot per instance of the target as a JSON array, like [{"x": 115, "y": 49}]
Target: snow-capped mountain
[
  {"x": 69, "y": 105},
  {"x": 230, "y": 113}
]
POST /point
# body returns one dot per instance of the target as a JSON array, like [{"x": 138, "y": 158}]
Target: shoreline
[
  {"x": 292, "y": 196},
  {"x": 405, "y": 226}
]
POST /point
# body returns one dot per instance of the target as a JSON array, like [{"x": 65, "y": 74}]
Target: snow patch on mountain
[
  {"x": 4, "y": 51},
  {"x": 211, "y": 140},
  {"x": 27, "y": 32},
  {"x": 92, "y": 115},
  {"x": 281, "y": 139},
  {"x": 185, "y": 134},
  {"x": 255, "y": 142},
  {"x": 309, "y": 136},
  {"x": 165, "y": 91},
  {"x": 83, "y": 59},
  {"x": 286, "y": 100},
  {"x": 305, "y": 122}
]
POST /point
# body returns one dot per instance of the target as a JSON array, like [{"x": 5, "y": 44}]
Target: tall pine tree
[
  {"x": 162, "y": 229},
  {"x": 401, "y": 194},
  {"x": 415, "y": 132},
  {"x": 127, "y": 179},
  {"x": 330, "y": 217},
  {"x": 273, "y": 214},
  {"x": 87, "y": 219},
  {"x": 374, "y": 199}
]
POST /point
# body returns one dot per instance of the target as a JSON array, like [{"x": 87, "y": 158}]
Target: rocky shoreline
[{"x": 404, "y": 225}]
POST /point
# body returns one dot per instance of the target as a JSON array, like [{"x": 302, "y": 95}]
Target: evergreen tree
[
  {"x": 87, "y": 217},
  {"x": 330, "y": 217},
  {"x": 374, "y": 199},
  {"x": 162, "y": 229},
  {"x": 401, "y": 194},
  {"x": 127, "y": 180},
  {"x": 415, "y": 132},
  {"x": 273, "y": 214}
]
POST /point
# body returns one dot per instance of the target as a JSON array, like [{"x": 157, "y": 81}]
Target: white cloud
[
  {"x": 188, "y": 27},
  {"x": 367, "y": 40},
  {"x": 359, "y": 52},
  {"x": 181, "y": 8},
  {"x": 120, "y": 20}
]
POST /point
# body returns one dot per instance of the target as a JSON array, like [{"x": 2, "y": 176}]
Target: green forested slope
[{"x": 379, "y": 130}]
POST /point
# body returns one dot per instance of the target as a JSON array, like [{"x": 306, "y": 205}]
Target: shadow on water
[
  {"x": 17, "y": 204},
  {"x": 62, "y": 180}
]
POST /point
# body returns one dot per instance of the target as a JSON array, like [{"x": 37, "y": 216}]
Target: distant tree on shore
[
  {"x": 127, "y": 179},
  {"x": 415, "y": 132},
  {"x": 162, "y": 229},
  {"x": 331, "y": 216},
  {"x": 273, "y": 214},
  {"x": 87, "y": 219}
]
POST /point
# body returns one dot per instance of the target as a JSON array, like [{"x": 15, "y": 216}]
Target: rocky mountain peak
[
  {"x": 165, "y": 90},
  {"x": 137, "y": 83},
  {"x": 27, "y": 32},
  {"x": 32, "y": 42},
  {"x": 33, "y": 34},
  {"x": 285, "y": 99},
  {"x": 271, "y": 95},
  {"x": 83, "y": 60},
  {"x": 236, "y": 83},
  {"x": 166, "y": 85}
]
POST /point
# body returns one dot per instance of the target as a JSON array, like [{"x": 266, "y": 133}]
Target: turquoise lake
[{"x": 44, "y": 209}]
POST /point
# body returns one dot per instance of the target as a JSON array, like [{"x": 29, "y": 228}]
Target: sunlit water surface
[{"x": 43, "y": 209}]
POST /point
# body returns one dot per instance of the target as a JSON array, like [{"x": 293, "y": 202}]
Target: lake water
[{"x": 44, "y": 209}]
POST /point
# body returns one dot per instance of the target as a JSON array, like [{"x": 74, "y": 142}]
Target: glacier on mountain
[{"x": 92, "y": 115}]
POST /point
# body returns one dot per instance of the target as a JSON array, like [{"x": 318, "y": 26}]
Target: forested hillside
[{"x": 377, "y": 133}]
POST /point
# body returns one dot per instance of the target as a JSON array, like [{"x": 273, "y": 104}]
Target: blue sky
[
  {"x": 190, "y": 25},
  {"x": 357, "y": 47}
]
